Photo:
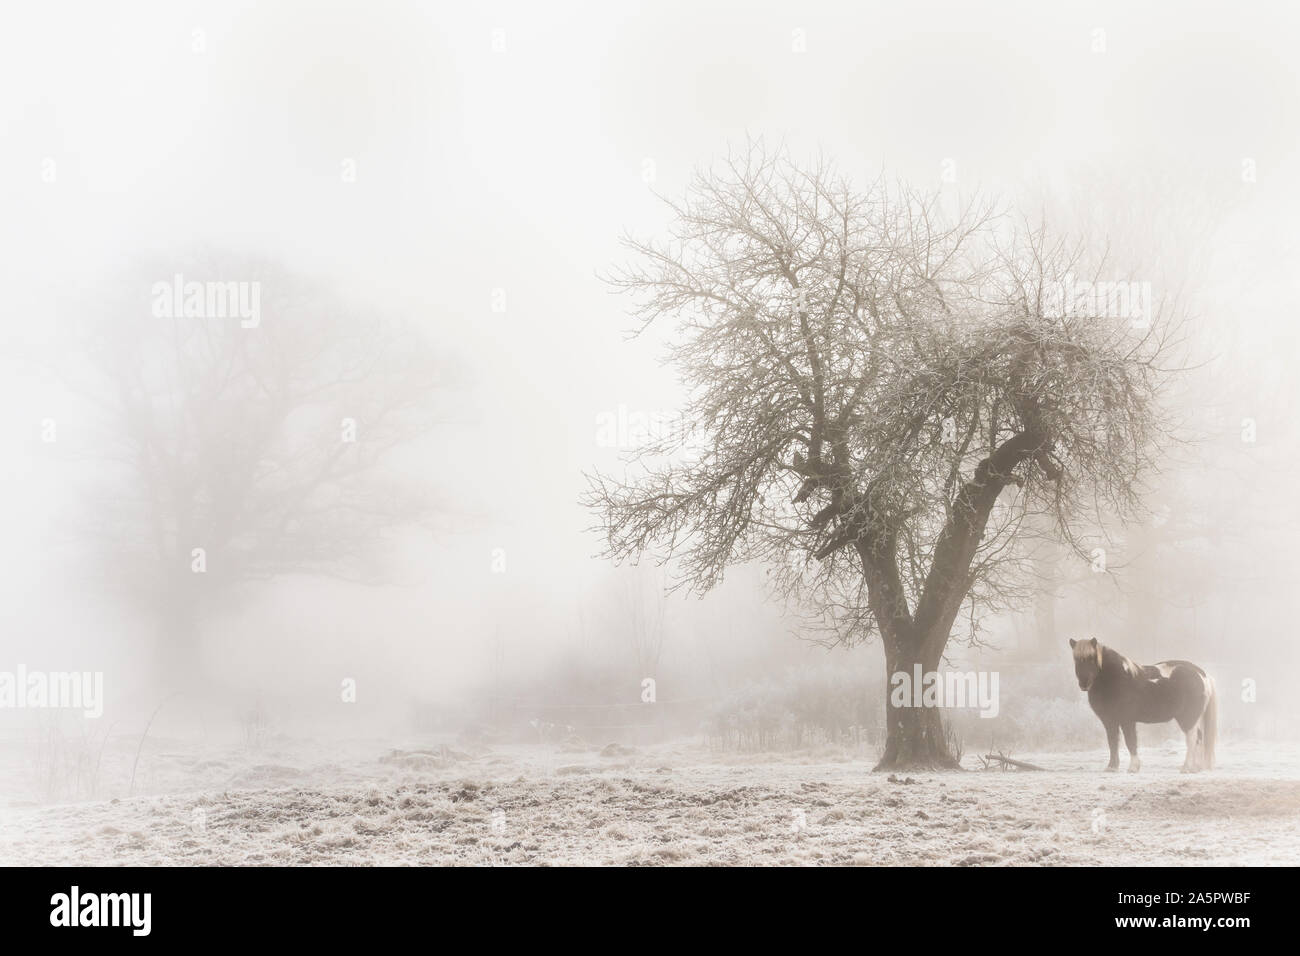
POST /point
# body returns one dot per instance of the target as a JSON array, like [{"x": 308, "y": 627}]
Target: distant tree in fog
[
  {"x": 643, "y": 605},
  {"x": 244, "y": 448},
  {"x": 881, "y": 394}
]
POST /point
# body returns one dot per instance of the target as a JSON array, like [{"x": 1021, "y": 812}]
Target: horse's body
[{"x": 1124, "y": 694}]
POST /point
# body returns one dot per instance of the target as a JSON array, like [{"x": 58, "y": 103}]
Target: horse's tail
[{"x": 1210, "y": 723}]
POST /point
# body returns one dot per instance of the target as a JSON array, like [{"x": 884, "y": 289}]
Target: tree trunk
[
  {"x": 915, "y": 641},
  {"x": 914, "y": 737}
]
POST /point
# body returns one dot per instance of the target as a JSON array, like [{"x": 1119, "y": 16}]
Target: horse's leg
[
  {"x": 1131, "y": 740},
  {"x": 1190, "y": 763},
  {"x": 1195, "y": 735},
  {"x": 1112, "y": 738}
]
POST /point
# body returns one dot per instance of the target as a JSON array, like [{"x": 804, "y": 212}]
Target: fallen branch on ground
[{"x": 1007, "y": 762}]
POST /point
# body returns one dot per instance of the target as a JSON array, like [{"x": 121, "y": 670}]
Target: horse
[{"x": 1123, "y": 694}]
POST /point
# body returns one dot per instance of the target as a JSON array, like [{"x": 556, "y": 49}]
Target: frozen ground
[{"x": 371, "y": 802}]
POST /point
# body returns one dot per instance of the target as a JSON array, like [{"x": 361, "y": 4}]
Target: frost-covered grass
[{"x": 424, "y": 802}]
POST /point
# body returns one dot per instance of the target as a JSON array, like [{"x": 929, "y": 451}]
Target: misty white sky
[{"x": 517, "y": 169}]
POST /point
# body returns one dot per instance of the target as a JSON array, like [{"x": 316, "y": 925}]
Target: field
[{"x": 429, "y": 803}]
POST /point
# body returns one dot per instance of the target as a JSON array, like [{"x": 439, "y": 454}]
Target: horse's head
[{"x": 1087, "y": 661}]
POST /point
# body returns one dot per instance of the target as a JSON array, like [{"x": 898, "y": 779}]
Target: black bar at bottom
[{"x": 332, "y": 905}]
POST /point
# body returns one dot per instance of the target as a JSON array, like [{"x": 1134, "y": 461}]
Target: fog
[{"x": 467, "y": 175}]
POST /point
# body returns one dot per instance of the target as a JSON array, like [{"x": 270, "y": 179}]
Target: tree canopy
[{"x": 869, "y": 371}]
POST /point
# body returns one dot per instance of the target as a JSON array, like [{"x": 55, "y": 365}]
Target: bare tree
[
  {"x": 880, "y": 394},
  {"x": 245, "y": 451}
]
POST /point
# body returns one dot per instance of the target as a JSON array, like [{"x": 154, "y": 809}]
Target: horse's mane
[{"x": 1113, "y": 661}]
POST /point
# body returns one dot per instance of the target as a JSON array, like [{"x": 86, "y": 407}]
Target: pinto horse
[{"x": 1124, "y": 694}]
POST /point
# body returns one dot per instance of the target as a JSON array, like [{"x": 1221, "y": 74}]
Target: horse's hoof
[
  {"x": 1134, "y": 766},
  {"x": 1111, "y": 768}
]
